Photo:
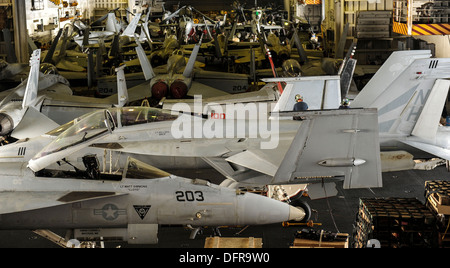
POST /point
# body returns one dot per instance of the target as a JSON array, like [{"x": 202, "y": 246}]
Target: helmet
[
  {"x": 291, "y": 68},
  {"x": 47, "y": 68},
  {"x": 298, "y": 98}
]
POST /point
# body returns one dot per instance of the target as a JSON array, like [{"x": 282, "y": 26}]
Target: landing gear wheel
[{"x": 301, "y": 204}]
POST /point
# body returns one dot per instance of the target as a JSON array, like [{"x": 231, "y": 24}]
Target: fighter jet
[
  {"x": 256, "y": 158},
  {"x": 179, "y": 81},
  {"x": 112, "y": 27},
  {"x": 57, "y": 55},
  {"x": 129, "y": 205},
  {"x": 45, "y": 101}
]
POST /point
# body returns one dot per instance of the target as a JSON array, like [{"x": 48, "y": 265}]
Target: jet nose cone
[{"x": 296, "y": 213}]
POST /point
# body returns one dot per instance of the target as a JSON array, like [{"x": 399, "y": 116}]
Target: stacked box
[
  {"x": 373, "y": 24},
  {"x": 437, "y": 196},
  {"x": 395, "y": 223}
]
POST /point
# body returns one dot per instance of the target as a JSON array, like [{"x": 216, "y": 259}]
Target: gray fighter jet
[
  {"x": 178, "y": 82},
  {"x": 45, "y": 101},
  {"x": 127, "y": 206},
  {"x": 242, "y": 158}
]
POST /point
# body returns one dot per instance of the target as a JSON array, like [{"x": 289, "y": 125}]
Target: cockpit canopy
[{"x": 97, "y": 123}]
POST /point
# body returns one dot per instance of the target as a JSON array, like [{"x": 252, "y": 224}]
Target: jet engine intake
[
  {"x": 157, "y": 60},
  {"x": 6, "y": 124}
]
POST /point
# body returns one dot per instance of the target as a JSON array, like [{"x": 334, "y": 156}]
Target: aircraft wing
[
  {"x": 204, "y": 90},
  {"x": 334, "y": 143},
  {"x": 22, "y": 201},
  {"x": 69, "y": 66}
]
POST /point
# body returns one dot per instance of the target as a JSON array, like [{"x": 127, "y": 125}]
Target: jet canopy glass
[{"x": 99, "y": 123}]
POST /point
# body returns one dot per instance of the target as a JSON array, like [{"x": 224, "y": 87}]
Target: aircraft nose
[
  {"x": 296, "y": 214},
  {"x": 258, "y": 209}
]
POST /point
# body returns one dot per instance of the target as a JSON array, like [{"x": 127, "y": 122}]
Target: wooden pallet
[
  {"x": 437, "y": 194},
  {"x": 233, "y": 242},
  {"x": 307, "y": 243},
  {"x": 303, "y": 243}
]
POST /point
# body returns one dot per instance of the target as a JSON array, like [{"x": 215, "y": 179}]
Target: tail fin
[
  {"x": 86, "y": 37},
  {"x": 388, "y": 73},
  {"x": 404, "y": 88},
  {"x": 319, "y": 92},
  {"x": 111, "y": 23},
  {"x": 33, "y": 80},
  {"x": 62, "y": 50},
  {"x": 131, "y": 28},
  {"x": 122, "y": 91},
  {"x": 217, "y": 45},
  {"x": 145, "y": 34},
  {"x": 145, "y": 63},
  {"x": 51, "y": 51},
  {"x": 428, "y": 121},
  {"x": 301, "y": 52},
  {"x": 346, "y": 70},
  {"x": 115, "y": 47},
  {"x": 190, "y": 65}
]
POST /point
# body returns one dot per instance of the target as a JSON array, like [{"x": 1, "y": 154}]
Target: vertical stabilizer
[
  {"x": 145, "y": 63},
  {"x": 190, "y": 65},
  {"x": 301, "y": 52},
  {"x": 409, "y": 93},
  {"x": 111, "y": 23},
  {"x": 131, "y": 28},
  {"x": 33, "y": 79},
  {"x": 388, "y": 72},
  {"x": 51, "y": 51},
  {"x": 319, "y": 92},
  {"x": 428, "y": 121},
  {"x": 145, "y": 34},
  {"x": 346, "y": 70},
  {"x": 122, "y": 91},
  {"x": 86, "y": 37}
]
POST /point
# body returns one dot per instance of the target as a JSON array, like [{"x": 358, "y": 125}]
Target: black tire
[{"x": 302, "y": 204}]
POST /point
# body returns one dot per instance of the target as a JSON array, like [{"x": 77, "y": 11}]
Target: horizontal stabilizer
[
  {"x": 255, "y": 160},
  {"x": 334, "y": 143},
  {"x": 33, "y": 124},
  {"x": 23, "y": 201},
  {"x": 429, "y": 148}
]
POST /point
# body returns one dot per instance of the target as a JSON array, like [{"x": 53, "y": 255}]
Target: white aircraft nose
[{"x": 296, "y": 214}]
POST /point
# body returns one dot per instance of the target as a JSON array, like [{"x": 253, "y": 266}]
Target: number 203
[{"x": 189, "y": 196}]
